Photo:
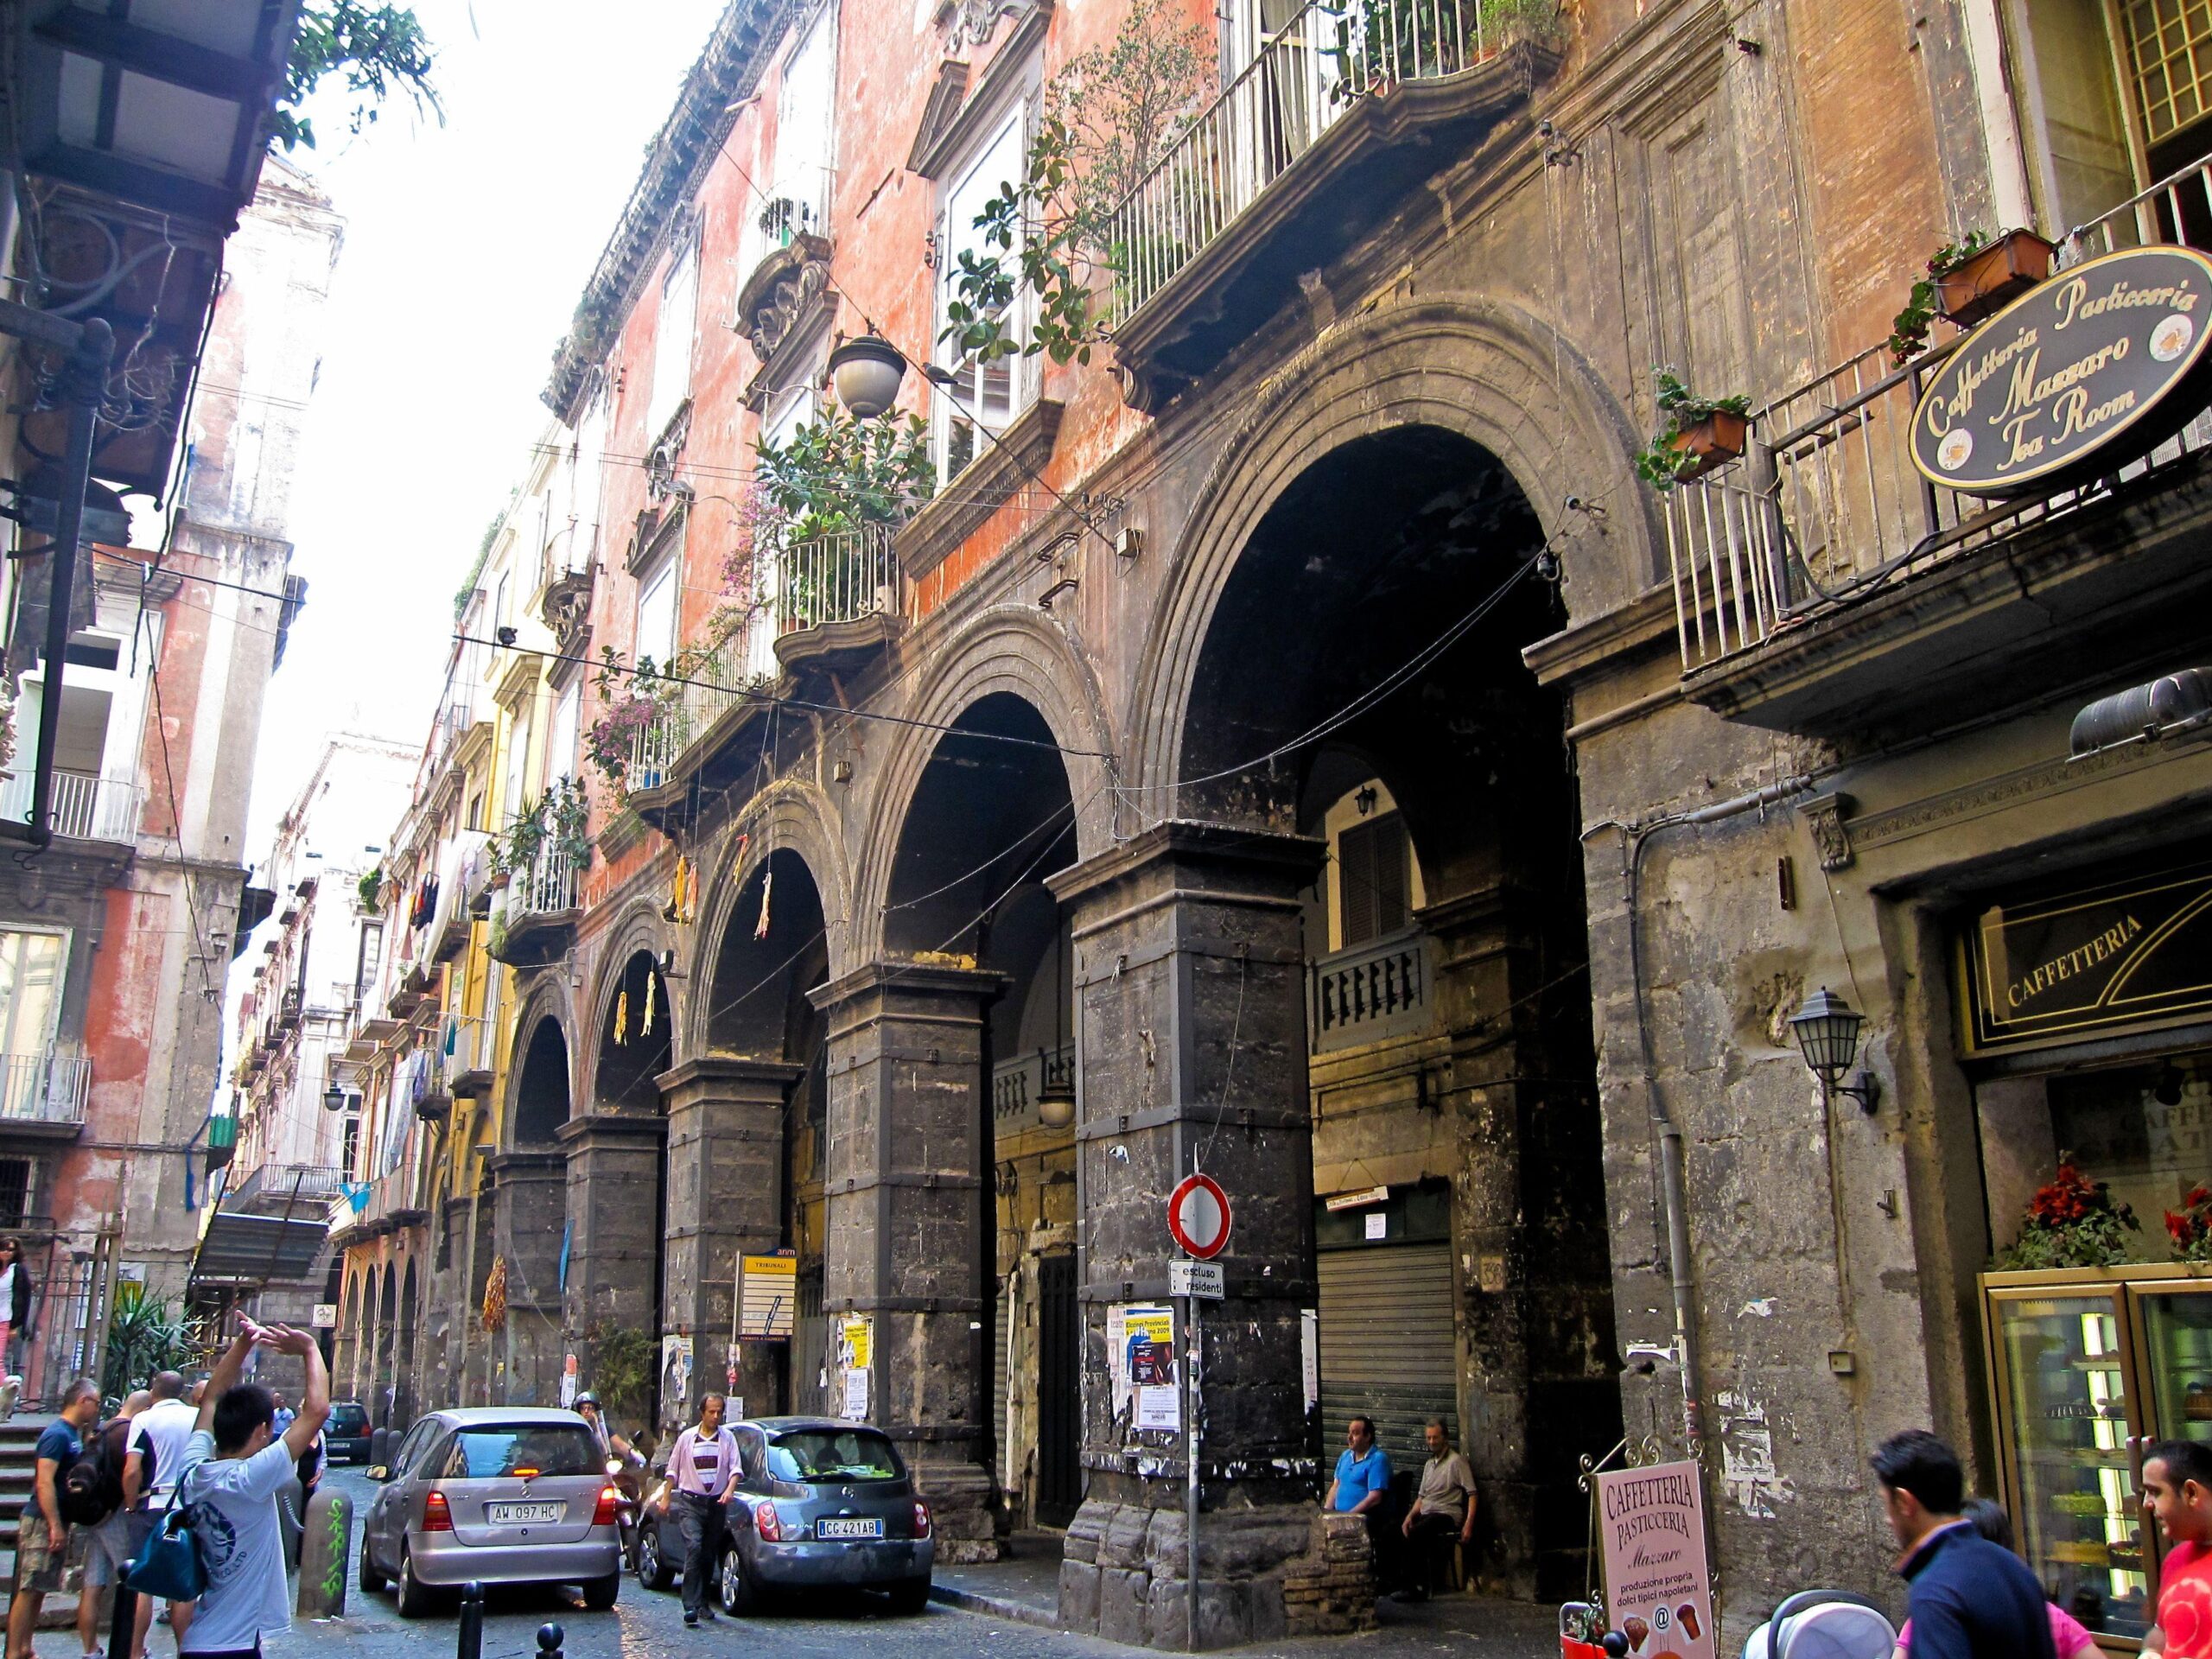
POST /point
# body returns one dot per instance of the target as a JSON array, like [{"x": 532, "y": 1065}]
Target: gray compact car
[
  {"x": 821, "y": 1503},
  {"x": 515, "y": 1495}
]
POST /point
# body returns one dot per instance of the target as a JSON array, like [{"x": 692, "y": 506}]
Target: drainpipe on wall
[{"x": 1673, "y": 1201}]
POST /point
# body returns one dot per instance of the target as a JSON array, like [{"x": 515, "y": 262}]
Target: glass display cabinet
[{"x": 2086, "y": 1367}]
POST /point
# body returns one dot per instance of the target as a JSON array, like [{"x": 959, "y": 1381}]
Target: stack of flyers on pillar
[{"x": 1140, "y": 1339}]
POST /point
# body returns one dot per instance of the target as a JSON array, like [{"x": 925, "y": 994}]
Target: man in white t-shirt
[
  {"x": 235, "y": 1466},
  {"x": 156, "y": 1456}
]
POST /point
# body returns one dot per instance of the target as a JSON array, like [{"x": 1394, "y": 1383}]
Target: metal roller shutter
[{"x": 1387, "y": 1346}]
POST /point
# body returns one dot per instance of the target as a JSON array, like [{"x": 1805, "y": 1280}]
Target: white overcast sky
[{"x": 467, "y": 247}]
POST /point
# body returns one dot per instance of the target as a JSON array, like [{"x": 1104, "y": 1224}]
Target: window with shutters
[
  {"x": 1373, "y": 880},
  {"x": 15, "y": 1176}
]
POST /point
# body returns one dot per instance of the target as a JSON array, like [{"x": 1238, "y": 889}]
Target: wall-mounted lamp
[
  {"x": 1827, "y": 1029},
  {"x": 1365, "y": 800}
]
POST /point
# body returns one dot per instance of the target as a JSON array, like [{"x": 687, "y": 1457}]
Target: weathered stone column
[
  {"x": 725, "y": 1199},
  {"x": 529, "y": 1202},
  {"x": 1190, "y": 1034},
  {"x": 614, "y": 1221},
  {"x": 907, "y": 1244}
]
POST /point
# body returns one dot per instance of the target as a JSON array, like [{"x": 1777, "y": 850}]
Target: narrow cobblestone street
[{"x": 646, "y": 1624}]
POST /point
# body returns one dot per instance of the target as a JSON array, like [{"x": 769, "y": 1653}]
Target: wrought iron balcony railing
[
  {"x": 831, "y": 579},
  {"x": 548, "y": 886},
  {"x": 44, "y": 1088},
  {"x": 1302, "y": 80},
  {"x": 1826, "y": 506},
  {"x": 83, "y": 807}
]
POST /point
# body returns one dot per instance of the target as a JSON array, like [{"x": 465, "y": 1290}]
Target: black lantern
[
  {"x": 867, "y": 371},
  {"x": 334, "y": 1098},
  {"x": 1827, "y": 1029}
]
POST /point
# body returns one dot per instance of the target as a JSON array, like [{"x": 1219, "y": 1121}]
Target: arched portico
[{"x": 529, "y": 1209}]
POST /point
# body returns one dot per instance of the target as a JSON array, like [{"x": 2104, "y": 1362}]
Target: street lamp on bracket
[{"x": 1827, "y": 1029}]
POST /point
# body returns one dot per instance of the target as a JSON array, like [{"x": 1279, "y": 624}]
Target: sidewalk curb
[{"x": 970, "y": 1601}]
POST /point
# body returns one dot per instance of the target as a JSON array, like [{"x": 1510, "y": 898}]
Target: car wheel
[
  {"x": 372, "y": 1579},
  {"x": 652, "y": 1571},
  {"x": 600, "y": 1594},
  {"x": 912, "y": 1597},
  {"x": 415, "y": 1599},
  {"x": 732, "y": 1589}
]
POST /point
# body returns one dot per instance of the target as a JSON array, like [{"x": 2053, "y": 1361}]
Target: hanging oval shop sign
[{"x": 2094, "y": 367}]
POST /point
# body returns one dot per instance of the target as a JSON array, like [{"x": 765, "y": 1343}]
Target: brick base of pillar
[{"x": 1265, "y": 1574}]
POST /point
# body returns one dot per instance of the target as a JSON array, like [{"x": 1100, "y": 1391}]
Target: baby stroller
[{"x": 1824, "y": 1625}]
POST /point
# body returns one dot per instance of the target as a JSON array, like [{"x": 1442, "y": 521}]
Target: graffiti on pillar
[{"x": 333, "y": 1576}]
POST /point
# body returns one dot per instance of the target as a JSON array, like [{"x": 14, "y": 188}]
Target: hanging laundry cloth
[
  {"x": 652, "y": 981},
  {"x": 768, "y": 887},
  {"x": 621, "y": 1017}
]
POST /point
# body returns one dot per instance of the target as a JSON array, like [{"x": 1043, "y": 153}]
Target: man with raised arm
[{"x": 235, "y": 1466}]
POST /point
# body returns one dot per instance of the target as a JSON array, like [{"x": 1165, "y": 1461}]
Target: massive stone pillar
[
  {"x": 530, "y": 1206},
  {"x": 725, "y": 1199},
  {"x": 613, "y": 1222},
  {"x": 1191, "y": 1034},
  {"x": 908, "y": 1249}
]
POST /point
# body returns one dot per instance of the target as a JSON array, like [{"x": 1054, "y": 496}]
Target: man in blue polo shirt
[{"x": 1363, "y": 1479}]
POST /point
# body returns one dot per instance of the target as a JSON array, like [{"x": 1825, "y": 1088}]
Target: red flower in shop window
[
  {"x": 2074, "y": 1222},
  {"x": 2190, "y": 1227}
]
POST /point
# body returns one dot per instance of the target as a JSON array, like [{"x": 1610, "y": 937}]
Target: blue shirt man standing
[
  {"x": 1363, "y": 1477},
  {"x": 1971, "y": 1598}
]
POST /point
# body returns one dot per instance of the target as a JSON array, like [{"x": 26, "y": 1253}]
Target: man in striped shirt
[{"x": 702, "y": 1476}]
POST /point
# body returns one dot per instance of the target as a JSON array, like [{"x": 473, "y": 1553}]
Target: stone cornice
[{"x": 683, "y": 153}]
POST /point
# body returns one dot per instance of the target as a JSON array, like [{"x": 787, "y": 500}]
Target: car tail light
[
  {"x": 603, "y": 1516},
  {"x": 438, "y": 1515},
  {"x": 769, "y": 1524},
  {"x": 921, "y": 1519}
]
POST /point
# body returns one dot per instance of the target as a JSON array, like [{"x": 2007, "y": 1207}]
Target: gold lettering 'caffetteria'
[{"x": 2083, "y": 368}]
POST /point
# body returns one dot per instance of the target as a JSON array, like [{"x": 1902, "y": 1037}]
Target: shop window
[
  {"x": 982, "y": 398},
  {"x": 1373, "y": 880}
]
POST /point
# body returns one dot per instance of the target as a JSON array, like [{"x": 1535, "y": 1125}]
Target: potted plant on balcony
[
  {"x": 1967, "y": 280},
  {"x": 1697, "y": 434},
  {"x": 2072, "y": 1222}
]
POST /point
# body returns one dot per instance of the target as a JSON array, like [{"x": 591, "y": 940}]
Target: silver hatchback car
[{"x": 499, "y": 1495}]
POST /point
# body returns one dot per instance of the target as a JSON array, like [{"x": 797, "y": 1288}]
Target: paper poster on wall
[
  {"x": 1309, "y": 1354},
  {"x": 1140, "y": 1344},
  {"x": 856, "y": 1340},
  {"x": 855, "y": 1402},
  {"x": 569, "y": 1386},
  {"x": 1651, "y": 1533},
  {"x": 676, "y": 1375}
]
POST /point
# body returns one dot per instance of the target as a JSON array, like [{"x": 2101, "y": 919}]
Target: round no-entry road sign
[{"x": 1198, "y": 1216}]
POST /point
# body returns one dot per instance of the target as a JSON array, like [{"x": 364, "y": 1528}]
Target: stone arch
[
  {"x": 1486, "y": 371},
  {"x": 791, "y": 818},
  {"x": 540, "y": 1079},
  {"x": 638, "y": 930},
  {"x": 1009, "y": 649},
  {"x": 408, "y": 1348}
]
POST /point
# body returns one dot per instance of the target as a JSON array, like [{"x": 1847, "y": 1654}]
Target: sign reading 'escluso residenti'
[{"x": 2079, "y": 374}]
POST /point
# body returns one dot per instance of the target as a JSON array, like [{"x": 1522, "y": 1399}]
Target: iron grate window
[
  {"x": 15, "y": 1175},
  {"x": 2169, "y": 52}
]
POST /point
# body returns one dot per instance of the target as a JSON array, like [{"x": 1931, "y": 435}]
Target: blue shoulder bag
[{"x": 168, "y": 1564}]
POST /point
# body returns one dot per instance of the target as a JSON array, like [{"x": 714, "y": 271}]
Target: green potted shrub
[{"x": 1696, "y": 434}]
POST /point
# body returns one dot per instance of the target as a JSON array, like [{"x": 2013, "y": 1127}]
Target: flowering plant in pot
[
  {"x": 2190, "y": 1229},
  {"x": 2072, "y": 1222},
  {"x": 1698, "y": 435},
  {"x": 1967, "y": 280}
]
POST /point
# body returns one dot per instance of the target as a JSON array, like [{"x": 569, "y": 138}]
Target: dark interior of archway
[
  {"x": 757, "y": 998},
  {"x": 541, "y": 1092},
  {"x": 1371, "y": 556},
  {"x": 633, "y": 1056},
  {"x": 990, "y": 818}
]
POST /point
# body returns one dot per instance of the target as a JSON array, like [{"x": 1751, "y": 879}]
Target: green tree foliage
[
  {"x": 145, "y": 1336},
  {"x": 378, "y": 50}
]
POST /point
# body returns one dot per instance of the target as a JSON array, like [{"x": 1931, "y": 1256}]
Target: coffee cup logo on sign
[{"x": 2095, "y": 366}]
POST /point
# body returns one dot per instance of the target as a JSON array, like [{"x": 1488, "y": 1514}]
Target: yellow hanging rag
[{"x": 621, "y": 1017}]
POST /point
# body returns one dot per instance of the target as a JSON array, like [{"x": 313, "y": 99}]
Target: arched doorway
[
  {"x": 406, "y": 1380},
  {"x": 747, "y": 1131},
  {"x": 529, "y": 1213},
  {"x": 1361, "y": 683},
  {"x": 385, "y": 1406},
  {"x": 953, "y": 1041}
]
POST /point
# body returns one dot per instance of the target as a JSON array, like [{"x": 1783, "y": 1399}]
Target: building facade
[
  {"x": 118, "y": 937},
  {"x": 1294, "y": 743}
]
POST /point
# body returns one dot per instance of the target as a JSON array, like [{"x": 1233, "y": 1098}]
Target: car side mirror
[{"x": 379, "y": 1471}]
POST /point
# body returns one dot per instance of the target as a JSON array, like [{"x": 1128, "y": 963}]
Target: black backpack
[{"x": 90, "y": 1489}]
